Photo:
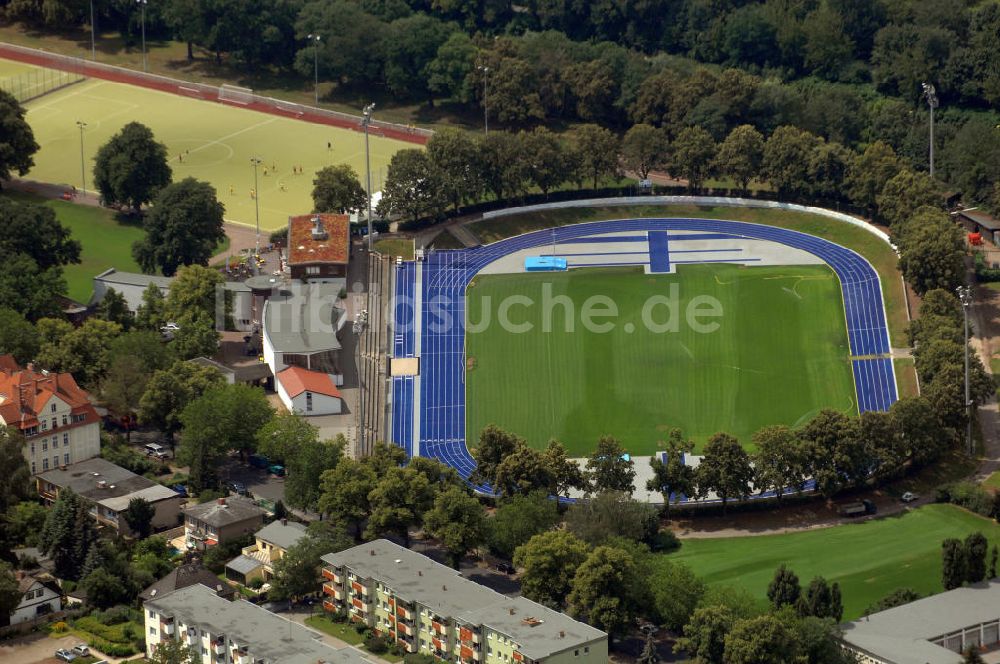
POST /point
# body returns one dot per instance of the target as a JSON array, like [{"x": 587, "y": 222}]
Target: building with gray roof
[
  {"x": 239, "y": 632},
  {"x": 111, "y": 488},
  {"x": 933, "y": 630},
  {"x": 270, "y": 545},
  {"x": 221, "y": 520},
  {"x": 131, "y": 285},
  {"x": 188, "y": 575},
  {"x": 301, "y": 324},
  {"x": 426, "y": 607}
]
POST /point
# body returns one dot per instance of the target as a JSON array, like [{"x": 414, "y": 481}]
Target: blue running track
[
  {"x": 442, "y": 336},
  {"x": 403, "y": 345}
]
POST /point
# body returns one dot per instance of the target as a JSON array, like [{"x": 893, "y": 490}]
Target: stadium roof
[{"x": 304, "y": 318}]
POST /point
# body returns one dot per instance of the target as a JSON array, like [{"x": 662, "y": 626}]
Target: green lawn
[
  {"x": 396, "y": 247},
  {"x": 868, "y": 560},
  {"x": 993, "y": 481},
  {"x": 343, "y": 631},
  {"x": 778, "y": 356},
  {"x": 215, "y": 141},
  {"x": 878, "y": 253},
  {"x": 906, "y": 377}
]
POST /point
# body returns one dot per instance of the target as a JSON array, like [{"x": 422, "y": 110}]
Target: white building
[
  {"x": 38, "y": 598},
  {"x": 58, "y": 422},
  {"x": 235, "y": 632},
  {"x": 308, "y": 392}
]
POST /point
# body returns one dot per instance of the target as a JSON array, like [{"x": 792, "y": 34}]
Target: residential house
[
  {"x": 39, "y": 597},
  {"x": 220, "y": 521},
  {"x": 932, "y": 630},
  {"x": 308, "y": 392},
  {"x": 186, "y": 575},
  {"x": 59, "y": 424},
  {"x": 429, "y": 608},
  {"x": 239, "y": 632},
  {"x": 271, "y": 543},
  {"x": 109, "y": 489}
]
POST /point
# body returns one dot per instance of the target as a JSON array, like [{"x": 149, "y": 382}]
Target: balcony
[
  {"x": 358, "y": 588},
  {"x": 167, "y": 628},
  {"x": 404, "y": 628},
  {"x": 330, "y": 575},
  {"x": 330, "y": 589},
  {"x": 329, "y": 606},
  {"x": 359, "y": 605},
  {"x": 437, "y": 627},
  {"x": 403, "y": 613},
  {"x": 219, "y": 647}
]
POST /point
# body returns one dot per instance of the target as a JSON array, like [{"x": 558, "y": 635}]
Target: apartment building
[
  {"x": 224, "y": 632},
  {"x": 429, "y": 608},
  {"x": 55, "y": 416}
]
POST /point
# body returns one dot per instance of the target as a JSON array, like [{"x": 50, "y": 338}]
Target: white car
[
  {"x": 81, "y": 650},
  {"x": 169, "y": 330},
  {"x": 908, "y": 497}
]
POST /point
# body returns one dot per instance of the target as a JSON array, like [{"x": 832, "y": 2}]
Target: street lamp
[
  {"x": 256, "y": 161},
  {"x": 366, "y": 118},
  {"x": 930, "y": 94},
  {"x": 83, "y": 171},
  {"x": 486, "y": 107},
  {"x": 142, "y": 4},
  {"x": 965, "y": 297},
  {"x": 315, "y": 39},
  {"x": 93, "y": 36}
]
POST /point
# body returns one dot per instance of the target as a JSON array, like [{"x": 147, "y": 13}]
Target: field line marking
[
  {"x": 222, "y": 139},
  {"x": 79, "y": 90}
]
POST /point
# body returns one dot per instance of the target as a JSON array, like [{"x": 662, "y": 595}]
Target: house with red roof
[
  {"x": 318, "y": 246},
  {"x": 55, "y": 415},
  {"x": 308, "y": 392}
]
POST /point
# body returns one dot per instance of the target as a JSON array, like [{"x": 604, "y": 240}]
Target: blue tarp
[{"x": 544, "y": 264}]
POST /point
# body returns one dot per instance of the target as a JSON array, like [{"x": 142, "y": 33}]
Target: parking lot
[{"x": 38, "y": 649}]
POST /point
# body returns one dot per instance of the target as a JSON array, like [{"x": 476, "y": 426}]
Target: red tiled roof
[
  {"x": 25, "y": 393},
  {"x": 298, "y": 380},
  {"x": 303, "y": 249}
]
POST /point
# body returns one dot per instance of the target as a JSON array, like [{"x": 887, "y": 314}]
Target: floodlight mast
[
  {"x": 142, "y": 4},
  {"x": 965, "y": 297},
  {"x": 930, "y": 94},
  {"x": 315, "y": 39},
  {"x": 83, "y": 170},
  {"x": 255, "y": 161},
  {"x": 486, "y": 105},
  {"x": 366, "y": 118}
]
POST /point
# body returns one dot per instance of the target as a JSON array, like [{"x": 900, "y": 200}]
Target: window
[
  {"x": 45, "y": 463},
  {"x": 45, "y": 444},
  {"x": 53, "y": 408},
  {"x": 32, "y": 467},
  {"x": 32, "y": 448},
  {"x": 586, "y": 649},
  {"x": 55, "y": 461},
  {"x": 152, "y": 615},
  {"x": 576, "y": 653},
  {"x": 55, "y": 442},
  {"x": 309, "y": 401},
  {"x": 312, "y": 269},
  {"x": 65, "y": 421},
  {"x": 66, "y": 458},
  {"x": 45, "y": 426},
  {"x": 66, "y": 439},
  {"x": 152, "y": 630},
  {"x": 53, "y": 423}
]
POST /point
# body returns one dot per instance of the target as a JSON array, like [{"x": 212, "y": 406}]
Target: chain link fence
[{"x": 38, "y": 82}]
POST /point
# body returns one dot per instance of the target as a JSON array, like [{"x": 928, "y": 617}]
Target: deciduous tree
[
  {"x": 761, "y": 639},
  {"x": 305, "y": 467},
  {"x": 566, "y": 473},
  {"x": 676, "y": 592},
  {"x": 548, "y": 564},
  {"x": 453, "y": 153},
  {"x": 412, "y": 185},
  {"x": 17, "y": 336},
  {"x": 610, "y": 468},
  {"x": 456, "y": 520},
  {"x": 780, "y": 462},
  {"x": 131, "y": 168},
  {"x": 344, "y": 494},
  {"x": 285, "y": 433},
  {"x": 183, "y": 227},
  {"x": 338, "y": 189},
  {"x": 692, "y": 154},
  {"x": 169, "y": 391},
  {"x": 725, "y": 469},
  {"x": 519, "y": 518},
  {"x": 399, "y": 502},
  {"x": 606, "y": 590},
  {"x": 612, "y": 514},
  {"x": 297, "y": 573},
  {"x": 598, "y": 151},
  {"x": 740, "y": 155},
  {"x": 139, "y": 516},
  {"x": 17, "y": 141},
  {"x": 644, "y": 148},
  {"x": 494, "y": 446},
  {"x": 705, "y": 634},
  {"x": 672, "y": 478}
]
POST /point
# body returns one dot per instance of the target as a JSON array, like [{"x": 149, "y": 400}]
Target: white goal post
[{"x": 234, "y": 94}]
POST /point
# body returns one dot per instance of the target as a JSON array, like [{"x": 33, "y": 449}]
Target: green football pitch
[
  {"x": 869, "y": 560},
  {"x": 206, "y": 140},
  {"x": 779, "y": 355}
]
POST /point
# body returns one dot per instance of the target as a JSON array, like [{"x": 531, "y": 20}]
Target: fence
[
  {"x": 33, "y": 84},
  {"x": 183, "y": 88}
]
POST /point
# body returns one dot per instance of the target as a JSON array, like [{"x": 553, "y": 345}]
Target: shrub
[
  {"x": 664, "y": 541},
  {"x": 255, "y": 583},
  {"x": 972, "y": 497},
  {"x": 58, "y": 627},
  {"x": 360, "y": 627},
  {"x": 418, "y": 658},
  {"x": 376, "y": 644}
]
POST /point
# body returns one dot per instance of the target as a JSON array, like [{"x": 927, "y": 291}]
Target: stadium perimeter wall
[
  {"x": 206, "y": 92},
  {"x": 630, "y": 201}
]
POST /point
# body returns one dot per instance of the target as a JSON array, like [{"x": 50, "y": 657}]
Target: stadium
[{"x": 800, "y": 326}]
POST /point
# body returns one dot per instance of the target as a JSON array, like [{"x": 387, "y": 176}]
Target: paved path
[{"x": 300, "y": 616}]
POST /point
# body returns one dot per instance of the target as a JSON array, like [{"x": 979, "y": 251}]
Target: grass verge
[
  {"x": 396, "y": 247},
  {"x": 906, "y": 377}
]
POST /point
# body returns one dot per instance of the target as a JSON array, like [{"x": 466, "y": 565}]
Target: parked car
[
  {"x": 505, "y": 568},
  {"x": 908, "y": 497},
  {"x": 81, "y": 650},
  {"x": 259, "y": 461},
  {"x": 277, "y": 470},
  {"x": 65, "y": 655},
  {"x": 238, "y": 488},
  {"x": 169, "y": 330},
  {"x": 180, "y": 489},
  {"x": 858, "y": 509},
  {"x": 157, "y": 451}
]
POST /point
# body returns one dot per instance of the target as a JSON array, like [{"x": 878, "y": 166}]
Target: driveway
[{"x": 39, "y": 649}]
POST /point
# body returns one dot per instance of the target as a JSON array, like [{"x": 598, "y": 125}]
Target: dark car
[
  {"x": 277, "y": 470},
  {"x": 180, "y": 489},
  {"x": 506, "y": 568},
  {"x": 259, "y": 461},
  {"x": 238, "y": 488}
]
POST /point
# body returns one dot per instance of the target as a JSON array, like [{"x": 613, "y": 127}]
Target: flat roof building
[
  {"x": 933, "y": 630},
  {"x": 429, "y": 608},
  {"x": 221, "y": 520},
  {"x": 319, "y": 245}
]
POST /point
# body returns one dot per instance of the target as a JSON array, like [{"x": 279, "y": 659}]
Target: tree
[
  {"x": 131, "y": 168},
  {"x": 68, "y": 534},
  {"x": 351, "y": 51},
  {"x": 705, "y": 634},
  {"x": 827, "y": 48},
  {"x": 14, "y": 469},
  {"x": 676, "y": 592},
  {"x": 344, "y": 492},
  {"x": 786, "y": 160},
  {"x": 411, "y": 45},
  {"x": 784, "y": 589},
  {"x": 644, "y": 148},
  {"x": 904, "y": 194},
  {"x": 173, "y": 651},
  {"x": 972, "y": 656},
  {"x": 449, "y": 70},
  {"x": 17, "y": 141},
  {"x": 399, "y": 502},
  {"x": 10, "y": 592},
  {"x": 725, "y": 469},
  {"x": 83, "y": 351},
  {"x": 780, "y": 461},
  {"x": 453, "y": 154},
  {"x": 33, "y": 230},
  {"x": 896, "y": 598},
  {"x": 338, "y": 189},
  {"x": 597, "y": 148},
  {"x": 17, "y": 336},
  {"x": 494, "y": 446},
  {"x": 152, "y": 313},
  {"x": 976, "y": 548},
  {"x": 139, "y": 516},
  {"x": 297, "y": 573},
  {"x": 672, "y": 478},
  {"x": 195, "y": 290},
  {"x": 648, "y": 654},
  {"x": 740, "y": 155},
  {"x": 519, "y": 518},
  {"x": 821, "y": 600},
  {"x": 124, "y": 384},
  {"x": 306, "y": 466},
  {"x": 548, "y": 564},
  {"x": 29, "y": 290},
  {"x": 412, "y": 185},
  {"x": 612, "y": 514},
  {"x": 761, "y": 639},
  {"x": 22, "y": 524},
  {"x": 932, "y": 253},
  {"x": 692, "y": 156},
  {"x": 605, "y": 590},
  {"x": 992, "y": 572},
  {"x": 104, "y": 589},
  {"x": 457, "y": 521},
  {"x": 548, "y": 161},
  {"x": 610, "y": 468},
  {"x": 197, "y": 336},
  {"x": 523, "y": 471},
  {"x": 114, "y": 309},
  {"x": 868, "y": 173},
  {"x": 283, "y": 434},
  {"x": 168, "y": 392},
  {"x": 223, "y": 419},
  {"x": 184, "y": 227},
  {"x": 566, "y": 473}
]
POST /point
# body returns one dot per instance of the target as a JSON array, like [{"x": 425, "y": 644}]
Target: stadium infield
[
  {"x": 869, "y": 560},
  {"x": 780, "y": 354},
  {"x": 206, "y": 140}
]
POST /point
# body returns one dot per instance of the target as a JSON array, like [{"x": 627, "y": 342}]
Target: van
[{"x": 157, "y": 451}]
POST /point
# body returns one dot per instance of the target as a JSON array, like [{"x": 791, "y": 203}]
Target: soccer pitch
[
  {"x": 205, "y": 140},
  {"x": 779, "y": 355},
  {"x": 869, "y": 560}
]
